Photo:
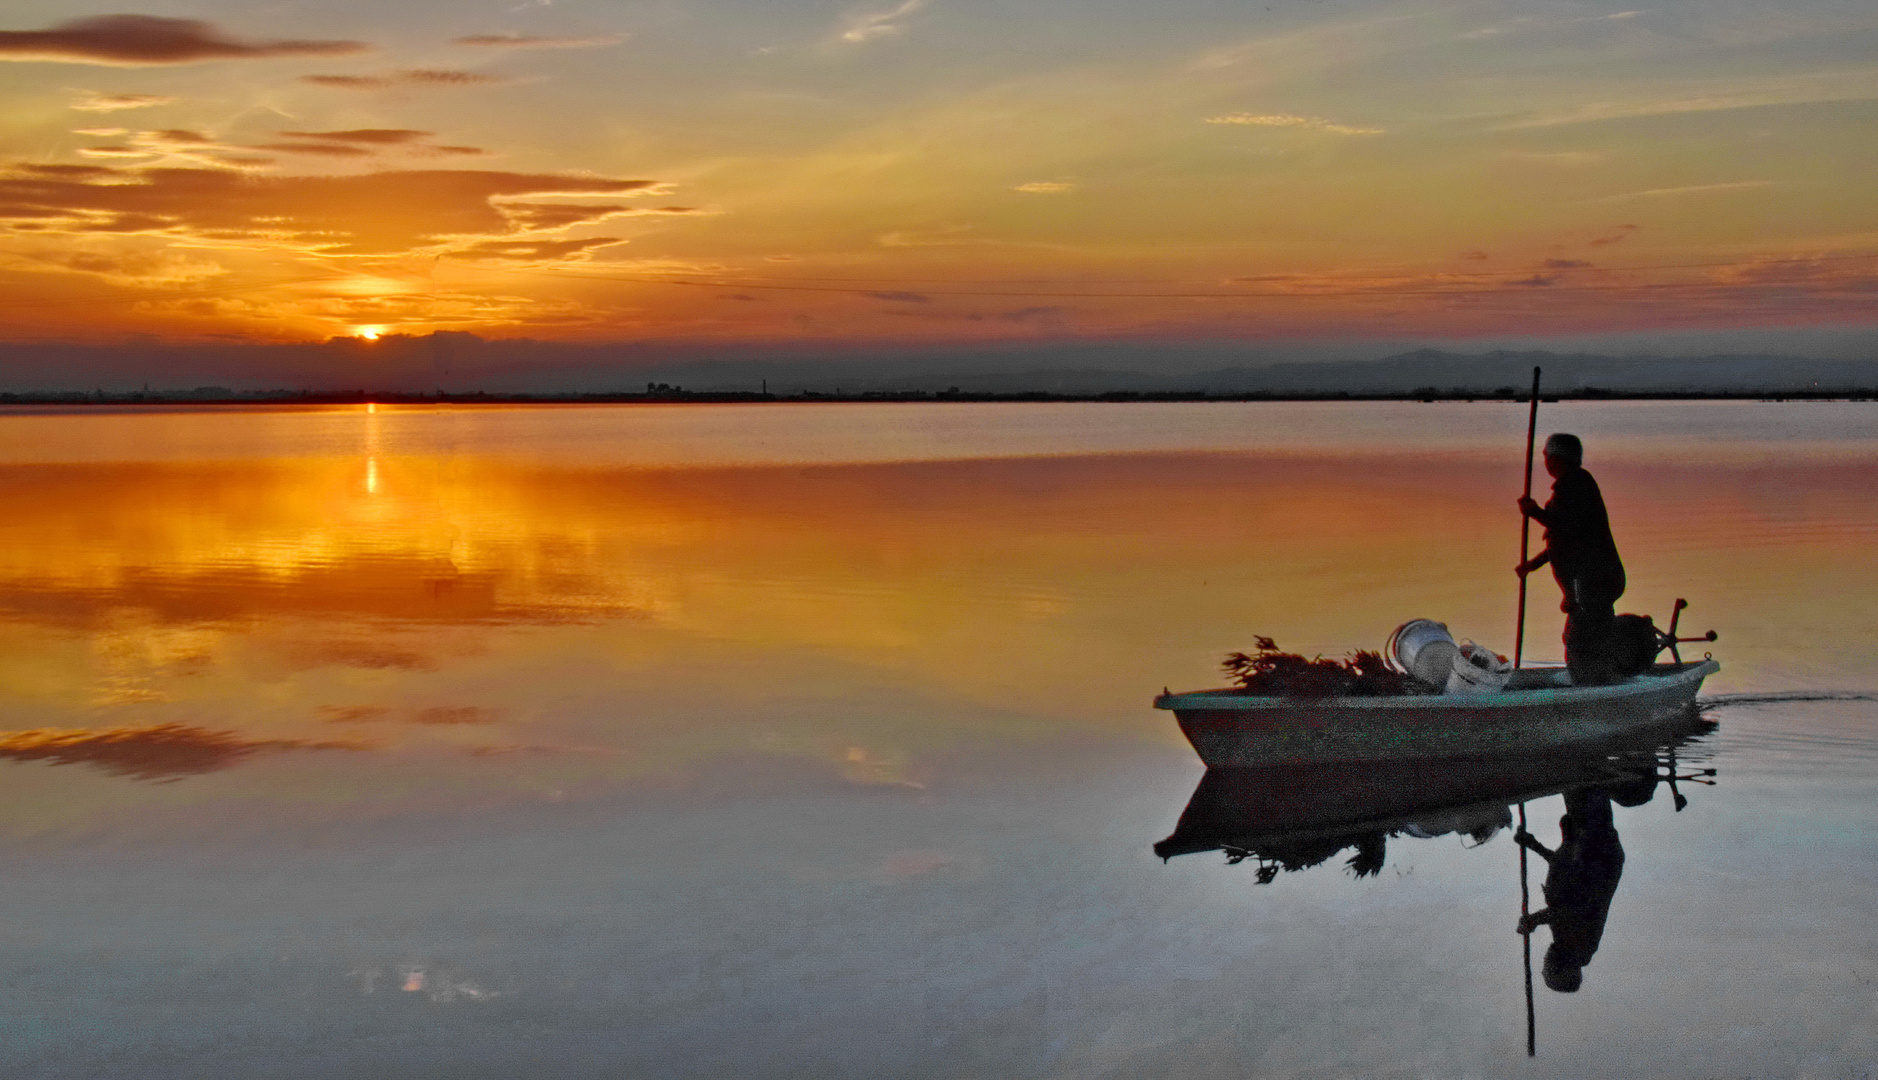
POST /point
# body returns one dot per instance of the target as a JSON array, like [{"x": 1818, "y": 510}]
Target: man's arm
[
  {"x": 1531, "y": 843},
  {"x": 1533, "y": 510},
  {"x": 1527, "y": 923}
]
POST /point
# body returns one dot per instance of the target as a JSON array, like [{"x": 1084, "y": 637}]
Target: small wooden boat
[{"x": 1538, "y": 710}]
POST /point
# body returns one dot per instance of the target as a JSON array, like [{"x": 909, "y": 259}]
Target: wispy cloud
[
  {"x": 174, "y": 144},
  {"x": 104, "y": 103},
  {"x": 1810, "y": 88},
  {"x": 1693, "y": 189},
  {"x": 413, "y": 77},
  {"x": 520, "y": 41},
  {"x": 1285, "y": 120},
  {"x": 536, "y": 251},
  {"x": 866, "y": 26},
  {"x": 550, "y": 217},
  {"x": 380, "y": 213},
  {"x": 366, "y": 142},
  {"x": 143, "y": 269},
  {"x": 370, "y": 136},
  {"x": 1044, "y": 187},
  {"x": 1569, "y": 159},
  {"x": 1618, "y": 234},
  {"x": 146, "y": 40}
]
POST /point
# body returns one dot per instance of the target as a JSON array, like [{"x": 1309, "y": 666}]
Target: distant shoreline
[{"x": 709, "y": 397}]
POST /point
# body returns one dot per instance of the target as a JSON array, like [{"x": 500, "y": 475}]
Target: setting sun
[{"x": 369, "y": 333}]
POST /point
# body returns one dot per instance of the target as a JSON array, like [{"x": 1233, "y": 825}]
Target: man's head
[
  {"x": 1563, "y": 453},
  {"x": 1560, "y": 973}
]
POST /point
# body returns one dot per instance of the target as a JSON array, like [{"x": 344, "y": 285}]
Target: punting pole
[
  {"x": 1525, "y": 540},
  {"x": 1525, "y": 901}
]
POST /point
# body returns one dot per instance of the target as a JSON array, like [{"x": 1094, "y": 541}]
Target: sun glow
[{"x": 369, "y": 333}]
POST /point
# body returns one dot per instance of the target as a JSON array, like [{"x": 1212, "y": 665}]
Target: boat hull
[
  {"x": 1273, "y": 808},
  {"x": 1232, "y": 730}
]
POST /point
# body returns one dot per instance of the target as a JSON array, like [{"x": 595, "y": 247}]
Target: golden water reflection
[{"x": 618, "y": 620}]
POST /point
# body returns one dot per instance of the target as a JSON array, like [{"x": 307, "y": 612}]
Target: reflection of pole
[
  {"x": 1525, "y": 901},
  {"x": 1525, "y": 538}
]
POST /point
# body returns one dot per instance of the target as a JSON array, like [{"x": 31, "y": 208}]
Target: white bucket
[
  {"x": 1424, "y": 649},
  {"x": 1478, "y": 670}
]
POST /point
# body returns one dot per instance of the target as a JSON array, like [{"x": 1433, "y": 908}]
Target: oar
[
  {"x": 1525, "y": 902},
  {"x": 1525, "y": 539}
]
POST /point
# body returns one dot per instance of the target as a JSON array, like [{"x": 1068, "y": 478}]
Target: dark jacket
[{"x": 1578, "y": 542}]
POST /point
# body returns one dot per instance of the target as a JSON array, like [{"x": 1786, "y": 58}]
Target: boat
[{"x": 1538, "y": 710}]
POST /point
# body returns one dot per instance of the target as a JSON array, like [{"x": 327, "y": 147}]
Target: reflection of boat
[
  {"x": 1539, "y": 710},
  {"x": 1291, "y": 815}
]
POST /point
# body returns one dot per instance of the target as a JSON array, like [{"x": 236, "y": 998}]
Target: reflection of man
[
  {"x": 1580, "y": 879},
  {"x": 1584, "y": 560}
]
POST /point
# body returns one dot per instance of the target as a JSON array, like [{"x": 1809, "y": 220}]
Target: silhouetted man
[
  {"x": 1584, "y": 560},
  {"x": 1580, "y": 880}
]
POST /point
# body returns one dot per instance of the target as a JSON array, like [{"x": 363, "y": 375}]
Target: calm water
[{"x": 816, "y": 741}]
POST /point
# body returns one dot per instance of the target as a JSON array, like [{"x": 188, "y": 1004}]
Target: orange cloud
[
  {"x": 371, "y": 136},
  {"x": 535, "y": 250},
  {"x": 376, "y": 213},
  {"x": 549, "y": 216},
  {"x": 517, "y": 41},
  {"x": 144, "y": 40},
  {"x": 141, "y": 269},
  {"x": 363, "y": 142},
  {"x": 320, "y": 149},
  {"x": 118, "y": 102},
  {"x": 414, "y": 77},
  {"x": 190, "y": 146}
]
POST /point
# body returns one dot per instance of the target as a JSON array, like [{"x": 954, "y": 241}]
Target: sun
[{"x": 369, "y": 333}]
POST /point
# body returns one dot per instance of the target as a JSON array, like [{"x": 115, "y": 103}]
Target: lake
[{"x": 816, "y": 740}]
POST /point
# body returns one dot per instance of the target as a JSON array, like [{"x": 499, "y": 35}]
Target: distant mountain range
[
  {"x": 465, "y": 363},
  {"x": 1402, "y": 373},
  {"x": 1445, "y": 371}
]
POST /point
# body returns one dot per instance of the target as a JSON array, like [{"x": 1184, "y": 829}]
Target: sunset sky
[{"x": 871, "y": 175}]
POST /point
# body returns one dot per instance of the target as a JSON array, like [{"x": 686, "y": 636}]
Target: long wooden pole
[
  {"x": 1525, "y": 903},
  {"x": 1525, "y": 541},
  {"x": 1519, "y": 649}
]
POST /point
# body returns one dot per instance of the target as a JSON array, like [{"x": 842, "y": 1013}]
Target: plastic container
[
  {"x": 1478, "y": 670},
  {"x": 1424, "y": 649}
]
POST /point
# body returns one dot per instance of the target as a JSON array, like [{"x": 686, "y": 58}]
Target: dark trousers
[{"x": 1589, "y": 655}]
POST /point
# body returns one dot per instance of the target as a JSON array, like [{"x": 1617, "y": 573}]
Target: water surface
[{"x": 787, "y": 741}]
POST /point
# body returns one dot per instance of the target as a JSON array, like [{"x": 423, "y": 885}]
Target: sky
[{"x": 938, "y": 173}]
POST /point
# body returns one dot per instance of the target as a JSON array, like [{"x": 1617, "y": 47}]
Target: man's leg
[{"x": 1587, "y": 645}]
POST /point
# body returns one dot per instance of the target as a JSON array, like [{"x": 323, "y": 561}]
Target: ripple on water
[{"x": 1824, "y": 732}]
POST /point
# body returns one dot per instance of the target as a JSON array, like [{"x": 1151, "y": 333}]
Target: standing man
[{"x": 1584, "y": 560}]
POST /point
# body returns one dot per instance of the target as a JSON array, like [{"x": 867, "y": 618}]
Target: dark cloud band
[{"x": 145, "y": 40}]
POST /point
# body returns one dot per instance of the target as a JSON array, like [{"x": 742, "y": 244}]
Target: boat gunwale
[{"x": 1226, "y": 701}]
